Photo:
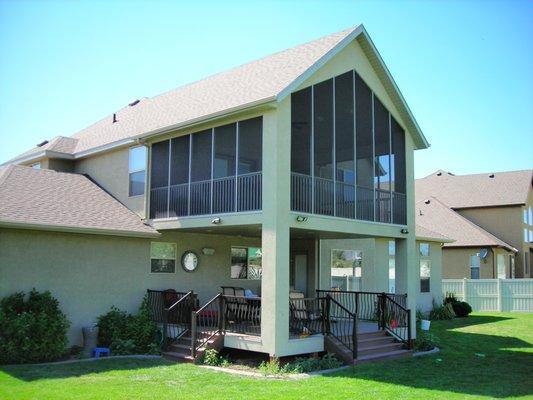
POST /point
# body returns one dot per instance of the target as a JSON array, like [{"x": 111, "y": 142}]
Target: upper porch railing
[
  {"x": 316, "y": 195},
  {"x": 215, "y": 196}
]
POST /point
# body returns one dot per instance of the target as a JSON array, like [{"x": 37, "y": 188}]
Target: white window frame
[
  {"x": 475, "y": 266},
  {"x": 130, "y": 171},
  {"x": 36, "y": 165}
]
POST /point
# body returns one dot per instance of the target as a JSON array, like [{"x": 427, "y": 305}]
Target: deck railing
[
  {"x": 306, "y": 316},
  {"x": 242, "y": 315},
  {"x": 231, "y": 194},
  {"x": 316, "y": 195}
]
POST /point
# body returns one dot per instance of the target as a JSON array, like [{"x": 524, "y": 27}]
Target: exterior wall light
[
  {"x": 405, "y": 231},
  {"x": 216, "y": 221},
  {"x": 301, "y": 218}
]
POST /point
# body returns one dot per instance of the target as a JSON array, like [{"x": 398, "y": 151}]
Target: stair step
[
  {"x": 379, "y": 349},
  {"x": 375, "y": 340},
  {"x": 383, "y": 356},
  {"x": 371, "y": 334},
  {"x": 180, "y": 346}
]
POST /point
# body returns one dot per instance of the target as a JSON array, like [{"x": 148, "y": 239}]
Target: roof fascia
[{"x": 70, "y": 229}]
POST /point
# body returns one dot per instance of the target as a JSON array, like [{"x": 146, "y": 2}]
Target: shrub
[
  {"x": 212, "y": 357},
  {"x": 300, "y": 365},
  {"x": 124, "y": 333},
  {"x": 450, "y": 298},
  {"x": 462, "y": 309},
  {"x": 270, "y": 367},
  {"x": 441, "y": 312},
  {"x": 425, "y": 341},
  {"x": 32, "y": 330}
]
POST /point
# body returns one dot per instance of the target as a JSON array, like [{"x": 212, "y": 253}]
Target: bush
[
  {"x": 212, "y": 357},
  {"x": 425, "y": 341},
  {"x": 441, "y": 312},
  {"x": 32, "y": 330},
  {"x": 450, "y": 298},
  {"x": 300, "y": 365},
  {"x": 462, "y": 309},
  {"x": 125, "y": 334}
]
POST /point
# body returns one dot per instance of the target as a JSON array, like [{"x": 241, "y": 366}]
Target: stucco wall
[
  {"x": 90, "y": 273},
  {"x": 110, "y": 171}
]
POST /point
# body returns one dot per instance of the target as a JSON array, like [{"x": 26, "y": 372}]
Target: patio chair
[{"x": 303, "y": 319}]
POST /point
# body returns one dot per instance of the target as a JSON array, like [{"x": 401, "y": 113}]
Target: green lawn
[{"x": 483, "y": 356}]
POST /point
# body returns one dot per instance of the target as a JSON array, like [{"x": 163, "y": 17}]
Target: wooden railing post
[
  {"x": 193, "y": 334},
  {"x": 382, "y": 310}
]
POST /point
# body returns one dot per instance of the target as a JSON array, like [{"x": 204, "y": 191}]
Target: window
[
  {"x": 475, "y": 263},
  {"x": 382, "y": 171},
  {"x": 137, "y": 170},
  {"x": 511, "y": 263},
  {"x": 346, "y": 269},
  {"x": 246, "y": 263},
  {"x": 37, "y": 165},
  {"x": 392, "y": 266},
  {"x": 425, "y": 268},
  {"x": 163, "y": 257},
  {"x": 500, "y": 262},
  {"x": 526, "y": 265}
]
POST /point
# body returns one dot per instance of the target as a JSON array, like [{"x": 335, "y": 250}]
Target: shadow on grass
[
  {"x": 469, "y": 363},
  {"x": 30, "y": 373}
]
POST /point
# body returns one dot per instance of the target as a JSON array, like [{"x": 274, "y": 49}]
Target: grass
[{"x": 483, "y": 356}]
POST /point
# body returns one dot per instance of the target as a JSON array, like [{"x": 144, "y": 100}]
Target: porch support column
[
  {"x": 275, "y": 232},
  {"x": 407, "y": 267}
]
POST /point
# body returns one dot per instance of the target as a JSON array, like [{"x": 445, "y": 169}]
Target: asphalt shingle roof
[
  {"x": 479, "y": 190},
  {"x": 64, "y": 201},
  {"x": 433, "y": 215}
]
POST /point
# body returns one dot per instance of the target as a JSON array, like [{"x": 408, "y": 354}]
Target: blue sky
[{"x": 465, "y": 68}]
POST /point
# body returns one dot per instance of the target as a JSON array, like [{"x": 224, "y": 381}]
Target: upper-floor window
[
  {"x": 425, "y": 267},
  {"x": 137, "y": 170},
  {"x": 347, "y": 153},
  {"x": 528, "y": 216},
  {"x": 36, "y": 165}
]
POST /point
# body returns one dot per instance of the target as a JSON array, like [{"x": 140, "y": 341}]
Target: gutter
[{"x": 72, "y": 229}]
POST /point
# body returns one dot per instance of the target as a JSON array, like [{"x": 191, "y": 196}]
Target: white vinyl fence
[{"x": 492, "y": 294}]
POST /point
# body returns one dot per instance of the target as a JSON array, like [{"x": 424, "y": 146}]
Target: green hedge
[{"x": 32, "y": 329}]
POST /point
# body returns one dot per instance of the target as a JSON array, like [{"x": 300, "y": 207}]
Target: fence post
[
  {"x": 465, "y": 297},
  {"x": 499, "y": 287}
]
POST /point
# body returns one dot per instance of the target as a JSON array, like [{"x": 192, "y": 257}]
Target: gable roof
[
  {"x": 433, "y": 215},
  {"x": 423, "y": 233},
  {"x": 266, "y": 80},
  {"x": 48, "y": 200},
  {"x": 478, "y": 190}
]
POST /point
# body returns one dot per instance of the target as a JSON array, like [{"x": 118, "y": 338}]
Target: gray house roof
[
  {"x": 266, "y": 80},
  {"x": 49, "y": 200},
  {"x": 435, "y": 216},
  {"x": 479, "y": 190}
]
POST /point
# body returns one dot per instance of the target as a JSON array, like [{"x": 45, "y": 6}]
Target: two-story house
[
  {"x": 276, "y": 199},
  {"x": 489, "y": 216}
]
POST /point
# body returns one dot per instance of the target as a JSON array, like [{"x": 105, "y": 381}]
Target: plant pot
[{"x": 424, "y": 324}]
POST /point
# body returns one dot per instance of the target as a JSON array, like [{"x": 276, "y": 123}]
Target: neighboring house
[
  {"x": 268, "y": 177},
  {"x": 489, "y": 217}
]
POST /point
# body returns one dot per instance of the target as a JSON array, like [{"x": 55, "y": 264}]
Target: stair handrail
[
  {"x": 386, "y": 321},
  {"x": 329, "y": 301},
  {"x": 188, "y": 295},
  {"x": 194, "y": 323}
]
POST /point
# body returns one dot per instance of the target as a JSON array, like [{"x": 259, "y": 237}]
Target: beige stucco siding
[
  {"x": 425, "y": 300},
  {"x": 90, "y": 273},
  {"x": 110, "y": 171}
]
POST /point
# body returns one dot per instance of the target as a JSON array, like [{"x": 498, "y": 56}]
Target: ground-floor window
[
  {"x": 163, "y": 257},
  {"x": 425, "y": 267},
  {"x": 246, "y": 263},
  {"x": 474, "y": 266},
  {"x": 500, "y": 259},
  {"x": 346, "y": 269},
  {"x": 392, "y": 266}
]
